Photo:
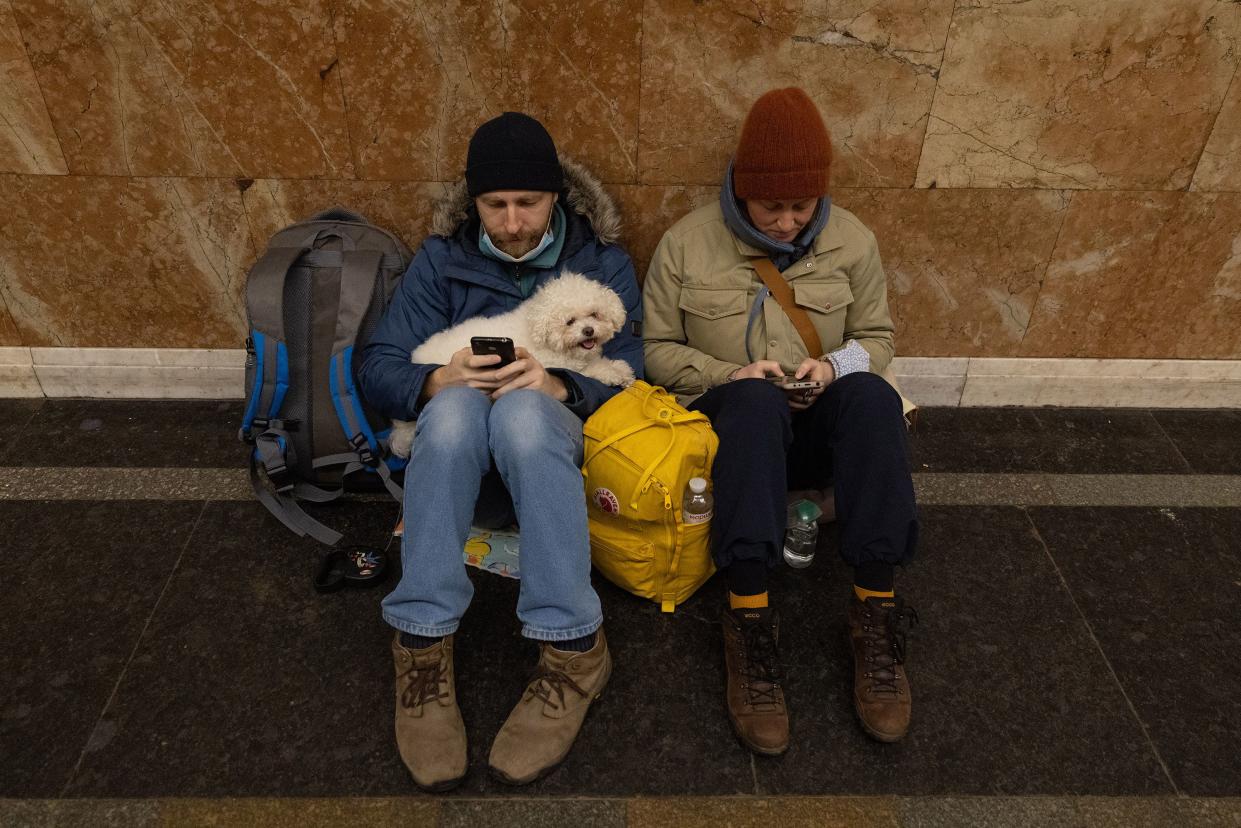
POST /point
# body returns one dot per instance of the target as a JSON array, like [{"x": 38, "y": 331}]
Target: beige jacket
[{"x": 701, "y": 286}]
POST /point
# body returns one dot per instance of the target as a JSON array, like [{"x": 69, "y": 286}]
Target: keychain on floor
[{"x": 358, "y": 566}]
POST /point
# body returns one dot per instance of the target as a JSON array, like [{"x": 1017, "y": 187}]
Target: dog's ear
[
  {"x": 543, "y": 323},
  {"x": 615, "y": 310}
]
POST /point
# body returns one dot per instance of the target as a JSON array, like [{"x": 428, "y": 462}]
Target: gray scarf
[{"x": 782, "y": 254}]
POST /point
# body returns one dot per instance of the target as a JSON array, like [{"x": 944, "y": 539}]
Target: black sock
[
  {"x": 875, "y": 576},
  {"x": 419, "y": 642},
  {"x": 747, "y": 576},
  {"x": 574, "y": 645}
]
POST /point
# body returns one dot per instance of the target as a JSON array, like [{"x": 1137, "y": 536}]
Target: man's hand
[
  {"x": 528, "y": 372},
  {"x": 464, "y": 369},
  {"x": 811, "y": 369}
]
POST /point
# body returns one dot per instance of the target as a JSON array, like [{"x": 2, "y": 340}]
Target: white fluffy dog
[{"x": 565, "y": 324}]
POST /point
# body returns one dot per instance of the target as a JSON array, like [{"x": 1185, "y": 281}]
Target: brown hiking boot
[
  {"x": 540, "y": 731},
  {"x": 752, "y": 663},
  {"x": 880, "y": 686},
  {"x": 429, "y": 732}
]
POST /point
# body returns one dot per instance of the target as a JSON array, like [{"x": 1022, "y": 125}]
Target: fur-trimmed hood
[{"x": 584, "y": 193}]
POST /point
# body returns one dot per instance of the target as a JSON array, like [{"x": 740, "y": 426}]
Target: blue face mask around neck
[{"x": 488, "y": 247}]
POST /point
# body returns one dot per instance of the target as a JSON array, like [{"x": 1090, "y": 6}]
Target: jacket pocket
[
  {"x": 825, "y": 303},
  {"x": 715, "y": 322},
  {"x": 824, "y": 297},
  {"x": 712, "y": 304}
]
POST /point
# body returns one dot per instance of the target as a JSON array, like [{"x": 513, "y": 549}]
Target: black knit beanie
[{"x": 512, "y": 152}]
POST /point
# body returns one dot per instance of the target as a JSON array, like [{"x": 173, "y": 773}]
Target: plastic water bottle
[
  {"x": 698, "y": 504},
  {"x": 802, "y": 534}
]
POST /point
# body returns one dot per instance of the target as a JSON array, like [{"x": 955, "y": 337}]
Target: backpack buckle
[
  {"x": 363, "y": 448},
  {"x": 280, "y": 477}
]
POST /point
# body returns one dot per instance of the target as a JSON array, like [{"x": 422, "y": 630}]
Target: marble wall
[{"x": 1047, "y": 178}]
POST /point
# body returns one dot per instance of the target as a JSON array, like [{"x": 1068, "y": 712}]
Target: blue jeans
[{"x": 536, "y": 445}]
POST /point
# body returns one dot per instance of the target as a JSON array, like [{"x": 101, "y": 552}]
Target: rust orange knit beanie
[{"x": 784, "y": 151}]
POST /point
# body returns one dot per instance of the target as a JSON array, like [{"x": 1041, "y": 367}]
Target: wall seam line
[
  {"x": 1042, "y": 281},
  {"x": 21, "y": 36},
  {"x": 338, "y": 67},
  {"x": 939, "y": 76},
  {"x": 1211, "y": 132}
]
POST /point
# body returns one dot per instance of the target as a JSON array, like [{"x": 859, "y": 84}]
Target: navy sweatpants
[{"x": 853, "y": 437}]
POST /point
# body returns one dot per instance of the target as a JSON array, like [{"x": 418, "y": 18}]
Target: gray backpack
[{"x": 313, "y": 299}]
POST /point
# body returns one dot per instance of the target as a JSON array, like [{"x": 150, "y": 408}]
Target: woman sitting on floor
[{"x": 716, "y": 332}]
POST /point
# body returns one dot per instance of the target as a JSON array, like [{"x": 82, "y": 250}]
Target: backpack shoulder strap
[
  {"x": 266, "y": 345},
  {"x": 265, "y": 289},
  {"x": 284, "y": 507},
  {"x": 359, "y": 271},
  {"x": 357, "y": 285}
]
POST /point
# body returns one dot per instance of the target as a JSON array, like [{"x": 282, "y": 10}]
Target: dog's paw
[
  {"x": 401, "y": 442},
  {"x": 614, "y": 372}
]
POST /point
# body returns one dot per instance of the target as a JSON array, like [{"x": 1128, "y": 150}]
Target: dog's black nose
[{"x": 588, "y": 331}]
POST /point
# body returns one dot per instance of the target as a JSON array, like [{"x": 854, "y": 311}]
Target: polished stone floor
[{"x": 165, "y": 659}]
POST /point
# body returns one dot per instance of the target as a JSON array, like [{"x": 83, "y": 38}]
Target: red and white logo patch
[{"x": 606, "y": 501}]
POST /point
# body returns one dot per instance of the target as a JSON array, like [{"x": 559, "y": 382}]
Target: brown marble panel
[
  {"x": 1143, "y": 275},
  {"x": 403, "y": 207},
  {"x": 964, "y": 266},
  {"x": 648, "y": 211},
  {"x": 870, "y": 66},
  {"x": 27, "y": 141},
  {"x": 116, "y": 262},
  {"x": 1219, "y": 169},
  {"x": 188, "y": 87},
  {"x": 420, "y": 77},
  {"x": 1078, "y": 93},
  {"x": 9, "y": 335}
]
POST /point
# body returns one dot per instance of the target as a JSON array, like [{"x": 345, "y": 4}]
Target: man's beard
[{"x": 520, "y": 246}]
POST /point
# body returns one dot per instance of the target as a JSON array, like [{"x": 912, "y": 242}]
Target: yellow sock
[
  {"x": 863, "y": 594},
  {"x": 747, "y": 601}
]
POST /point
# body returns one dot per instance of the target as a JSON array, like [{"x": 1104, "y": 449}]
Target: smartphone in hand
[
  {"x": 789, "y": 382},
  {"x": 487, "y": 345}
]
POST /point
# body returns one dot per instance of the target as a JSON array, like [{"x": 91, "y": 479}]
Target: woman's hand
[
  {"x": 811, "y": 369},
  {"x": 759, "y": 370}
]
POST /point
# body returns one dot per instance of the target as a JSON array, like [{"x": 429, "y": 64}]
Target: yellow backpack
[{"x": 641, "y": 450}]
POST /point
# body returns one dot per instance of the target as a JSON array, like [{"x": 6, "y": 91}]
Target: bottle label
[{"x": 691, "y": 519}]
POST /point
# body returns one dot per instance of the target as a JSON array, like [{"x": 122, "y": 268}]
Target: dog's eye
[
  {"x": 570, "y": 321},
  {"x": 594, "y": 316}
]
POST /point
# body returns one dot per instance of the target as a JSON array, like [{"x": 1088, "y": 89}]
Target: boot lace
[
  {"x": 883, "y": 635},
  {"x": 547, "y": 683},
  {"x": 761, "y": 665},
  {"x": 423, "y": 684}
]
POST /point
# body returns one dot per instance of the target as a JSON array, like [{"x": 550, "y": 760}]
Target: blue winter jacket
[{"x": 450, "y": 281}]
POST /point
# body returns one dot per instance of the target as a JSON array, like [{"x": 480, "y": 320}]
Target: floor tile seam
[
  {"x": 923, "y": 475},
  {"x": 1175, "y": 447},
  {"x": 533, "y": 798},
  {"x": 1228, "y": 800},
  {"x": 1080, "y": 490},
  {"x": 134, "y": 651},
  {"x": 1187, "y": 491},
  {"x": 1103, "y": 655},
  {"x": 21, "y": 431}
]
